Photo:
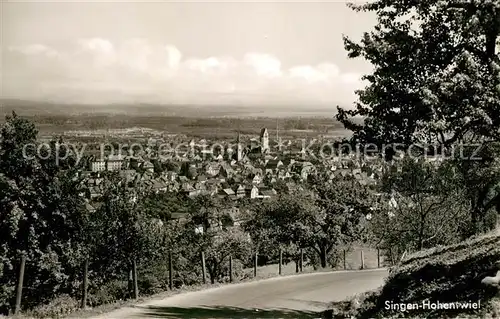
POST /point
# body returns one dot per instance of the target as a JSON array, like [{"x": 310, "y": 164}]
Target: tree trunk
[
  {"x": 475, "y": 220},
  {"x": 212, "y": 271},
  {"x": 323, "y": 256}
]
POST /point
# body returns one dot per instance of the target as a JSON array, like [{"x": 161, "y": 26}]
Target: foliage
[
  {"x": 42, "y": 216},
  {"x": 57, "y": 308},
  {"x": 329, "y": 215},
  {"x": 163, "y": 205},
  {"x": 436, "y": 75},
  {"x": 206, "y": 231},
  {"x": 421, "y": 208},
  {"x": 120, "y": 231},
  {"x": 343, "y": 204},
  {"x": 228, "y": 243},
  {"x": 477, "y": 172}
]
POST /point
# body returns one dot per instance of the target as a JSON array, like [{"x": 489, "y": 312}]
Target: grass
[{"x": 442, "y": 274}]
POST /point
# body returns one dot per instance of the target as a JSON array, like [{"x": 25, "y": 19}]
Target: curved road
[{"x": 300, "y": 296}]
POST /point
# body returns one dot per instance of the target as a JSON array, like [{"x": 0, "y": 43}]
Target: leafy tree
[
  {"x": 164, "y": 205},
  {"x": 331, "y": 214},
  {"x": 173, "y": 167},
  {"x": 41, "y": 215},
  {"x": 436, "y": 75},
  {"x": 436, "y": 80},
  {"x": 121, "y": 231},
  {"x": 229, "y": 243},
  {"x": 423, "y": 208},
  {"x": 208, "y": 230},
  {"x": 343, "y": 204},
  {"x": 477, "y": 179}
]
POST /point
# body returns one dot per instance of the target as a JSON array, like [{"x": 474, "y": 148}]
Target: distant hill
[{"x": 30, "y": 108}]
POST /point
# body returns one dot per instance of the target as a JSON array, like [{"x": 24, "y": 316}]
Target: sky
[{"x": 252, "y": 53}]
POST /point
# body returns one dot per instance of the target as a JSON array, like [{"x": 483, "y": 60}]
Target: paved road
[{"x": 301, "y": 296}]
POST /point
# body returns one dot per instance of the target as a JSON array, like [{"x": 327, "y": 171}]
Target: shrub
[
  {"x": 58, "y": 308},
  {"x": 110, "y": 292}
]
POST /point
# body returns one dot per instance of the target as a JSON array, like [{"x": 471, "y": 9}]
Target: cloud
[
  {"x": 96, "y": 70},
  {"x": 263, "y": 64},
  {"x": 35, "y": 49}
]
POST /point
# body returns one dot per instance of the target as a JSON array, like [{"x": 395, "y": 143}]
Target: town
[{"x": 252, "y": 168}]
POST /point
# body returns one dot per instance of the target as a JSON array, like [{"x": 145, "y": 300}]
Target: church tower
[
  {"x": 239, "y": 148},
  {"x": 264, "y": 140}
]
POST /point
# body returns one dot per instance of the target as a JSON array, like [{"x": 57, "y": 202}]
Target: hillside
[{"x": 444, "y": 274}]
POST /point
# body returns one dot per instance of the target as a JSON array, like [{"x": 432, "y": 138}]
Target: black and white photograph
[{"x": 249, "y": 159}]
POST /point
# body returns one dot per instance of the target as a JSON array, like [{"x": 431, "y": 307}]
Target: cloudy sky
[{"x": 167, "y": 52}]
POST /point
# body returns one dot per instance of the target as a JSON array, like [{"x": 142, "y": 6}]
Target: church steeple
[
  {"x": 239, "y": 148},
  {"x": 264, "y": 140}
]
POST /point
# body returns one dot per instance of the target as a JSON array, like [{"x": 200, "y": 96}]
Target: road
[{"x": 300, "y": 296}]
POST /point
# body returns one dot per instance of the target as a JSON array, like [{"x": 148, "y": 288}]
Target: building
[
  {"x": 98, "y": 166},
  {"x": 239, "y": 149},
  {"x": 264, "y": 140},
  {"x": 112, "y": 163}
]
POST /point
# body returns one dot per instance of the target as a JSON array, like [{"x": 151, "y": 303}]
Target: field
[{"x": 193, "y": 121}]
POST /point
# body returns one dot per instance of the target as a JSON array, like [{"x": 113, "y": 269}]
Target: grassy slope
[{"x": 444, "y": 274}]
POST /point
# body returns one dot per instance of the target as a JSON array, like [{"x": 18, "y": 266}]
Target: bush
[
  {"x": 58, "y": 308},
  {"x": 336, "y": 258},
  {"x": 110, "y": 292}
]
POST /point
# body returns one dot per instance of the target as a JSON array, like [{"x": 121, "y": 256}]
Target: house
[
  {"x": 283, "y": 174},
  {"x": 159, "y": 185},
  {"x": 114, "y": 163},
  {"x": 89, "y": 208},
  {"x": 212, "y": 182},
  {"x": 252, "y": 191},
  {"x": 97, "y": 166},
  {"x": 271, "y": 179},
  {"x": 306, "y": 171},
  {"x": 212, "y": 169},
  {"x": 174, "y": 187},
  {"x": 189, "y": 190},
  {"x": 231, "y": 217},
  {"x": 239, "y": 191},
  {"x": 202, "y": 178},
  {"x": 94, "y": 192},
  {"x": 255, "y": 179},
  {"x": 227, "y": 192},
  {"x": 267, "y": 192},
  {"x": 200, "y": 186},
  {"x": 148, "y": 166},
  {"x": 226, "y": 171},
  {"x": 170, "y": 176}
]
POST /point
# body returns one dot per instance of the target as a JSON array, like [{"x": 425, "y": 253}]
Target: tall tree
[
  {"x": 329, "y": 215},
  {"x": 436, "y": 75},
  {"x": 344, "y": 203},
  {"x": 41, "y": 215},
  {"x": 424, "y": 208}
]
